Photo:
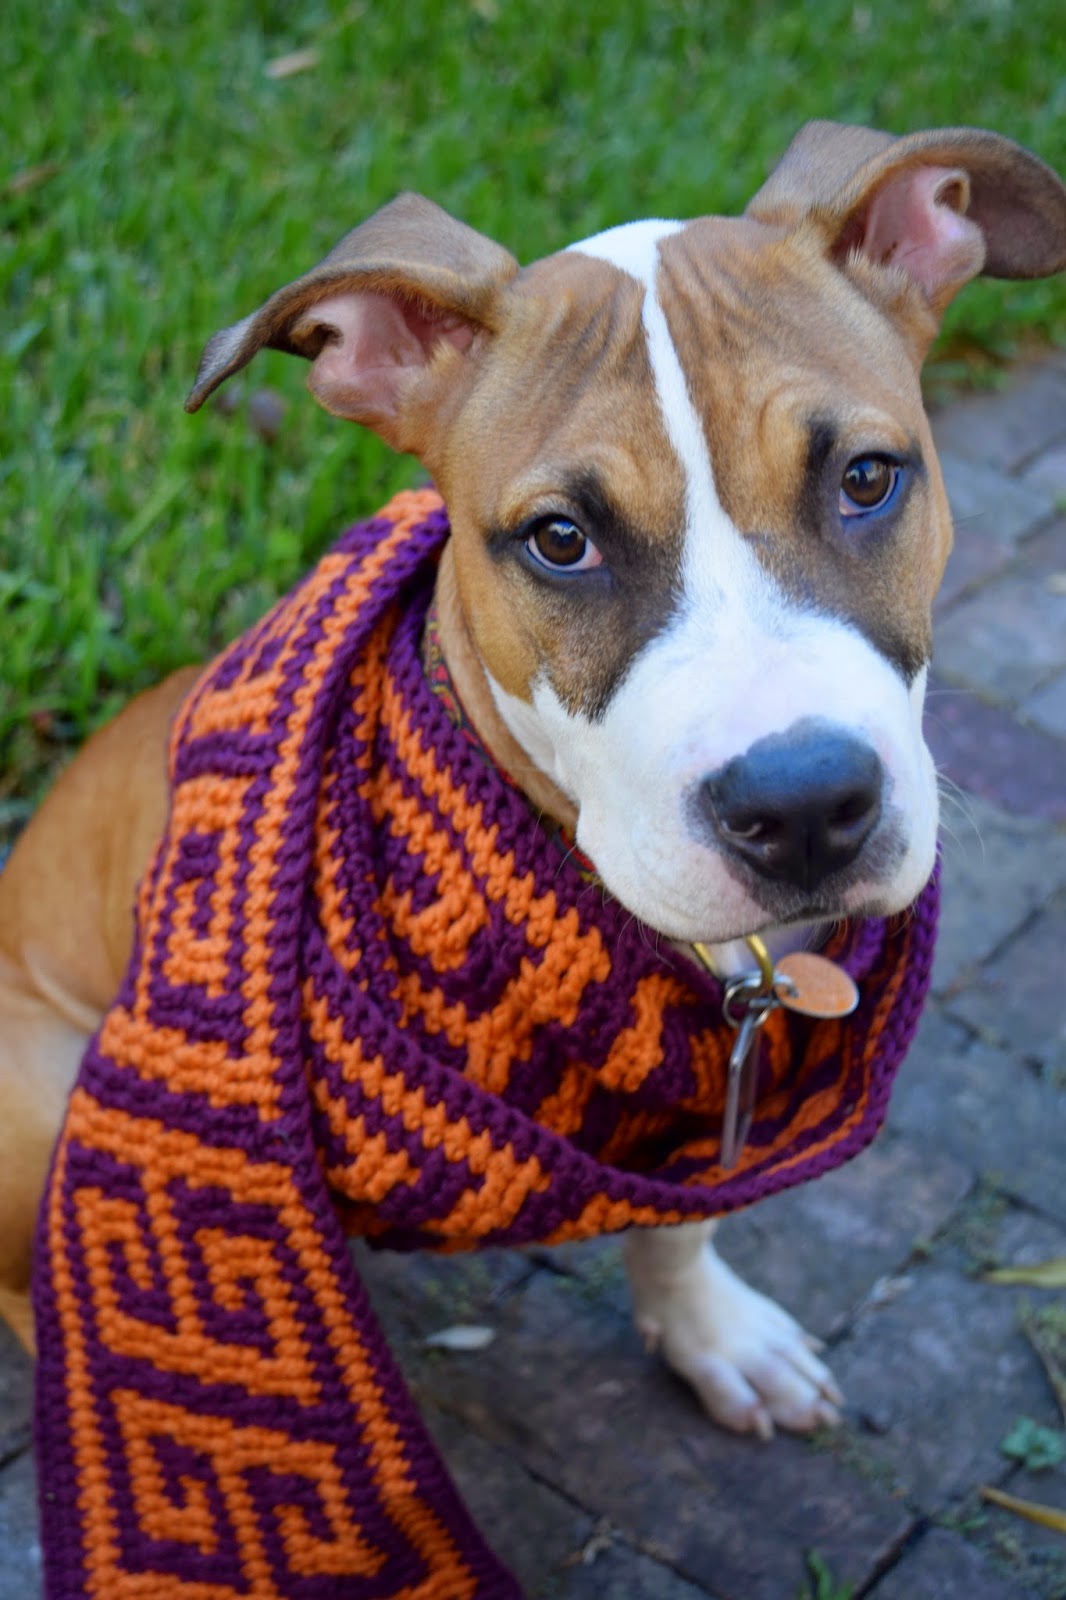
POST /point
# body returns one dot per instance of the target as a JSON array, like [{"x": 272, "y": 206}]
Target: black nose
[{"x": 797, "y": 806}]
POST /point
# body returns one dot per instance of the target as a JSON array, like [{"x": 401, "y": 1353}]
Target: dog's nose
[{"x": 797, "y": 806}]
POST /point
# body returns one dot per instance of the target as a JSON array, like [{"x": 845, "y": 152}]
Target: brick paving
[{"x": 587, "y": 1465}]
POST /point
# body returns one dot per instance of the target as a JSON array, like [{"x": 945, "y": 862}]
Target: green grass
[{"x": 178, "y": 185}]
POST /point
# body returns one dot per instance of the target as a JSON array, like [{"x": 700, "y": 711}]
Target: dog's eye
[
  {"x": 556, "y": 543},
  {"x": 868, "y": 484}
]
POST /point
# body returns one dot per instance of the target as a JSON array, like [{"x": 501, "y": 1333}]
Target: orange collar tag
[{"x": 814, "y": 985}]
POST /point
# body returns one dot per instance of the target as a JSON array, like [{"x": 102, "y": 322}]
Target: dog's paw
[{"x": 752, "y": 1365}]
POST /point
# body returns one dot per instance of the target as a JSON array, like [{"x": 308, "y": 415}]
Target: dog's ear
[
  {"x": 940, "y": 206},
  {"x": 395, "y": 294}
]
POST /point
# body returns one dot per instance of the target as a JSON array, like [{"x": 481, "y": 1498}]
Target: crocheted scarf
[{"x": 368, "y": 994}]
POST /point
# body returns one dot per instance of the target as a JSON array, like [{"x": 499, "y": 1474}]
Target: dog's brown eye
[
  {"x": 560, "y": 545},
  {"x": 868, "y": 484}
]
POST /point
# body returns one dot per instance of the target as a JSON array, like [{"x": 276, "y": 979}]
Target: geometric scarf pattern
[{"x": 368, "y": 994}]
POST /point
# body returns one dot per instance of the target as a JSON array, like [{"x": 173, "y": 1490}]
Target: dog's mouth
[
  {"x": 808, "y": 919},
  {"x": 868, "y": 888},
  {"x": 863, "y": 888}
]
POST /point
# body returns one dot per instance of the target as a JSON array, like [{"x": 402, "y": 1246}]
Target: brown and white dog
[{"x": 698, "y": 524}]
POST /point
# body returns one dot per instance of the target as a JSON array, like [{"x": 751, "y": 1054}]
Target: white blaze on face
[{"x": 738, "y": 661}]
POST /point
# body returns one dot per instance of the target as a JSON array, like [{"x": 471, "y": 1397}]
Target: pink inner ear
[
  {"x": 371, "y": 340},
  {"x": 917, "y": 222}
]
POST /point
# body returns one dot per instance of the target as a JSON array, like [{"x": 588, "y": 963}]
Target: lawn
[{"x": 158, "y": 181}]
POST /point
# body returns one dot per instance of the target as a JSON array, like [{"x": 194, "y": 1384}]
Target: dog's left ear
[{"x": 940, "y": 206}]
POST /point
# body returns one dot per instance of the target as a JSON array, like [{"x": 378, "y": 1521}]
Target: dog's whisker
[
  {"x": 952, "y": 795},
  {"x": 968, "y": 520}
]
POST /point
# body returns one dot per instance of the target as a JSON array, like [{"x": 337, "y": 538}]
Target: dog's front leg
[{"x": 750, "y": 1363}]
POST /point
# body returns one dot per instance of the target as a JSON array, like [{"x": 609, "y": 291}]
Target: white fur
[
  {"x": 751, "y": 1364},
  {"x": 739, "y": 661}
]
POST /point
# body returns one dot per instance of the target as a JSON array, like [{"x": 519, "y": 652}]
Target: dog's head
[{"x": 698, "y": 517}]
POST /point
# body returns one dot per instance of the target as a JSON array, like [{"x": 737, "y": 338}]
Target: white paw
[{"x": 751, "y": 1364}]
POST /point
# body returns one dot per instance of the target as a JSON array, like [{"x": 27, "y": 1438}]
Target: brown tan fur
[{"x": 66, "y": 928}]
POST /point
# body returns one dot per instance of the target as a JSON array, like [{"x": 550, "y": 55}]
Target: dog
[{"x": 697, "y": 528}]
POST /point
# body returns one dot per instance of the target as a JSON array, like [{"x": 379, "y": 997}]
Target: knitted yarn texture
[{"x": 368, "y": 995}]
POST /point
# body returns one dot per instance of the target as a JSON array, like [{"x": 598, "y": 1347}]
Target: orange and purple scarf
[{"x": 368, "y": 994}]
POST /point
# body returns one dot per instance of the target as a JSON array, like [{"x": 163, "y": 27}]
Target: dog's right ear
[{"x": 377, "y": 316}]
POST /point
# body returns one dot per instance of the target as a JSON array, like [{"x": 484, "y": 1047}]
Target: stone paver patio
[{"x": 589, "y": 1468}]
